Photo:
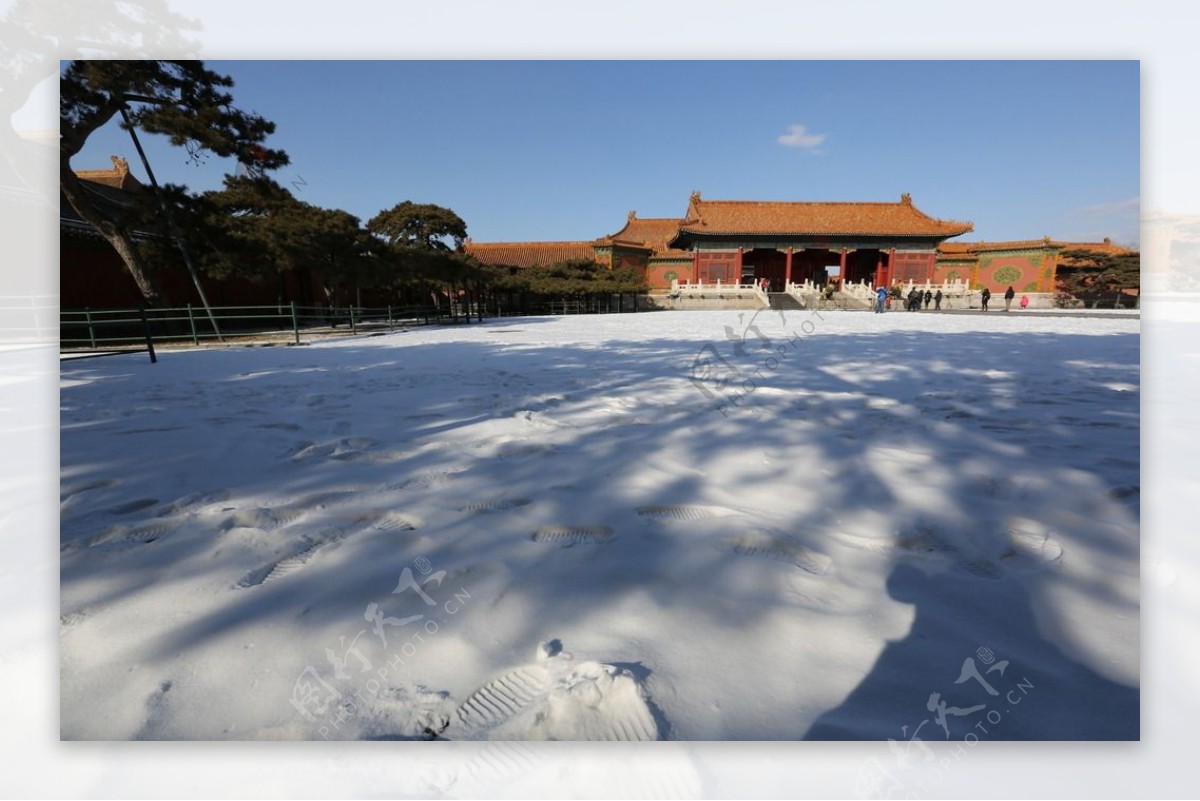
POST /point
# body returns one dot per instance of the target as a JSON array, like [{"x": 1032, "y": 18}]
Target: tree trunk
[{"x": 116, "y": 235}]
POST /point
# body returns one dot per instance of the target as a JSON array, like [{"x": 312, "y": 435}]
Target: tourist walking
[
  {"x": 880, "y": 299},
  {"x": 1009, "y": 294},
  {"x": 928, "y": 299},
  {"x": 914, "y": 299},
  {"x": 937, "y": 300},
  {"x": 984, "y": 297},
  {"x": 1024, "y": 302}
]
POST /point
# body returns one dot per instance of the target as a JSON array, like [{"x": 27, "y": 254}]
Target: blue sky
[{"x": 546, "y": 150}]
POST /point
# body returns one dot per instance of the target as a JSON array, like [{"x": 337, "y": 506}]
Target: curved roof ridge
[{"x": 814, "y": 217}]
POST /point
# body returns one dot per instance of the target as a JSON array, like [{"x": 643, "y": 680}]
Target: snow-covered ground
[{"x": 684, "y": 525}]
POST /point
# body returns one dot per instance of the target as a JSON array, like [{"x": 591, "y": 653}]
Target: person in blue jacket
[{"x": 880, "y": 299}]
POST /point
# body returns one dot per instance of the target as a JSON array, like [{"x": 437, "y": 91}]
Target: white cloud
[
  {"x": 1117, "y": 220},
  {"x": 1113, "y": 209},
  {"x": 798, "y": 136}
]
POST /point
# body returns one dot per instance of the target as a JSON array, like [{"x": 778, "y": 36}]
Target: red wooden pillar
[
  {"x": 787, "y": 270},
  {"x": 695, "y": 266},
  {"x": 879, "y": 279},
  {"x": 842, "y": 270},
  {"x": 930, "y": 267},
  {"x": 737, "y": 266},
  {"x": 891, "y": 266}
]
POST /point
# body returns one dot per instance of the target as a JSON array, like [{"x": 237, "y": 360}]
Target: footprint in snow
[
  {"x": 71, "y": 493},
  {"x": 137, "y": 535},
  {"x": 310, "y": 547},
  {"x": 927, "y": 543},
  {"x": 193, "y": 501},
  {"x": 262, "y": 518},
  {"x": 132, "y": 506},
  {"x": 495, "y": 505},
  {"x": 1030, "y": 548},
  {"x": 435, "y": 478},
  {"x": 567, "y": 536},
  {"x": 555, "y": 698},
  {"x": 685, "y": 512},
  {"x": 781, "y": 548},
  {"x": 284, "y": 567}
]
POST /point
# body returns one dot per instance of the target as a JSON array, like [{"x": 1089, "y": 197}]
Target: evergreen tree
[
  {"x": 420, "y": 225},
  {"x": 180, "y": 99},
  {"x": 1091, "y": 276},
  {"x": 421, "y": 243}
]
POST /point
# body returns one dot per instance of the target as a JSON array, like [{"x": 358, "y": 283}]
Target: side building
[
  {"x": 1030, "y": 266},
  {"x": 92, "y": 274}
]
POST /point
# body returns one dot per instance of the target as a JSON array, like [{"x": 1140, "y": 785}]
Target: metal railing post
[
  {"x": 149, "y": 339},
  {"x": 91, "y": 329},
  {"x": 192, "y": 322},
  {"x": 353, "y": 329},
  {"x": 295, "y": 324}
]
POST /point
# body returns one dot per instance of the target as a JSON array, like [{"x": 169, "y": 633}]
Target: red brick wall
[
  {"x": 658, "y": 276},
  {"x": 950, "y": 271},
  {"x": 1022, "y": 272},
  {"x": 92, "y": 275},
  {"x": 912, "y": 267}
]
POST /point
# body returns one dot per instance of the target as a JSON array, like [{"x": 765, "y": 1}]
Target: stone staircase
[
  {"x": 783, "y": 301},
  {"x": 846, "y": 300}
]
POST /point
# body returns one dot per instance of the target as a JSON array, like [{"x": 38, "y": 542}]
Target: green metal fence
[
  {"x": 101, "y": 329},
  {"x": 95, "y": 331}
]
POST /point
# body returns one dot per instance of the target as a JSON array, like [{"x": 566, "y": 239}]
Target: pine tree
[
  {"x": 179, "y": 99},
  {"x": 1091, "y": 276}
]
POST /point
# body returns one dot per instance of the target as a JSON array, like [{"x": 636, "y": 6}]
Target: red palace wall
[
  {"x": 659, "y": 276},
  {"x": 951, "y": 271},
  {"x": 623, "y": 260},
  {"x": 1024, "y": 273},
  {"x": 916, "y": 267},
  {"x": 92, "y": 275}
]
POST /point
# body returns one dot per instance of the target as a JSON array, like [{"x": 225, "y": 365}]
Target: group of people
[
  {"x": 1009, "y": 294},
  {"x": 916, "y": 298},
  {"x": 912, "y": 302}
]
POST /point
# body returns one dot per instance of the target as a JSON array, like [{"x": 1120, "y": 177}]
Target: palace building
[{"x": 739, "y": 242}]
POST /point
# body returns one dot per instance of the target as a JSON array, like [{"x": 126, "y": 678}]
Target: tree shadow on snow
[{"x": 740, "y": 496}]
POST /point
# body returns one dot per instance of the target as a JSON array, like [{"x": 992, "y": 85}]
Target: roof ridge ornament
[{"x": 906, "y": 199}]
